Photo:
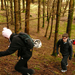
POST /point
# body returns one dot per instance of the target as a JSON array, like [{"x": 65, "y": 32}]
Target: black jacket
[
  {"x": 65, "y": 48},
  {"x": 17, "y": 44}
]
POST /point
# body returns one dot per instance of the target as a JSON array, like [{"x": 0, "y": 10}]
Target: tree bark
[
  {"x": 5, "y": 3},
  {"x": 70, "y": 17},
  {"x": 67, "y": 2},
  {"x": 49, "y": 4},
  {"x": 39, "y": 5},
  {"x": 43, "y": 13},
  {"x": 23, "y": 6},
  {"x": 27, "y": 16},
  {"x": 19, "y": 1},
  {"x": 57, "y": 25},
  {"x": 7, "y": 14},
  {"x": 32, "y": 1},
  {"x": 2, "y": 7},
  {"x": 12, "y": 15},
  {"x": 17, "y": 27},
  {"x": 53, "y": 14}
]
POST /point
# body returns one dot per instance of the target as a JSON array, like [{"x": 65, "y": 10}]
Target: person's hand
[
  {"x": 69, "y": 58},
  {"x": 58, "y": 55}
]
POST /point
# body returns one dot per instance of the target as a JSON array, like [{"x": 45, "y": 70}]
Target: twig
[{"x": 6, "y": 72}]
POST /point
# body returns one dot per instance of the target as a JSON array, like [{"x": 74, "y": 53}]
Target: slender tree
[
  {"x": 48, "y": 16},
  {"x": 32, "y": 1},
  {"x": 17, "y": 27},
  {"x": 43, "y": 13},
  {"x": 11, "y": 7},
  {"x": 5, "y": 3},
  {"x": 39, "y": 5},
  {"x": 27, "y": 16},
  {"x": 7, "y": 14},
  {"x": 53, "y": 14},
  {"x": 23, "y": 5},
  {"x": 70, "y": 17},
  {"x": 67, "y": 2},
  {"x": 2, "y": 6},
  {"x": 57, "y": 25},
  {"x": 49, "y": 6},
  {"x": 47, "y": 25},
  {"x": 19, "y": 1}
]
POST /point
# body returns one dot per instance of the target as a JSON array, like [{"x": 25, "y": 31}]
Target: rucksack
[
  {"x": 27, "y": 40},
  {"x": 73, "y": 41}
]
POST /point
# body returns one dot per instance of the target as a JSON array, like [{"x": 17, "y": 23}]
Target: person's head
[
  {"x": 65, "y": 37},
  {"x": 6, "y": 32}
]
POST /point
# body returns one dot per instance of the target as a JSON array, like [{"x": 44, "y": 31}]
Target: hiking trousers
[
  {"x": 64, "y": 62},
  {"x": 22, "y": 67}
]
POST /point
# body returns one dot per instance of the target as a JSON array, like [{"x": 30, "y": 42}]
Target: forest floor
[{"x": 42, "y": 60}]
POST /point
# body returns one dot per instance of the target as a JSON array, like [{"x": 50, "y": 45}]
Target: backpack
[
  {"x": 73, "y": 41},
  {"x": 27, "y": 40},
  {"x": 70, "y": 41}
]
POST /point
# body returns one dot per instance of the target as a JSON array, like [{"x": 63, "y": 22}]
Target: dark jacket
[
  {"x": 65, "y": 48},
  {"x": 17, "y": 44}
]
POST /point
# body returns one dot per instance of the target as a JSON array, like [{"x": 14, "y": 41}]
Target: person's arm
[
  {"x": 57, "y": 46},
  {"x": 70, "y": 52},
  {"x": 13, "y": 47}
]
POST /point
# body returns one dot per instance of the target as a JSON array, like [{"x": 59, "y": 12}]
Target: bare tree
[
  {"x": 39, "y": 5},
  {"x": 7, "y": 14},
  {"x": 43, "y": 13},
  {"x": 19, "y": 1},
  {"x": 23, "y": 5},
  {"x": 70, "y": 17},
  {"x": 67, "y": 2},
  {"x": 49, "y": 11},
  {"x": 27, "y": 16},
  {"x": 32, "y": 1},
  {"x": 17, "y": 27},
  {"x": 49, "y": 6},
  {"x": 53, "y": 14},
  {"x": 57, "y": 25},
  {"x": 12, "y": 14},
  {"x": 5, "y": 3},
  {"x": 2, "y": 7}
]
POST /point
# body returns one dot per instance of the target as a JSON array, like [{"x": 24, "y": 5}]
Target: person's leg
[
  {"x": 64, "y": 62},
  {"x": 21, "y": 67},
  {"x": 26, "y": 67}
]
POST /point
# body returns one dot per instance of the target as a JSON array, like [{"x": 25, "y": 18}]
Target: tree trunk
[
  {"x": 67, "y": 2},
  {"x": 52, "y": 18},
  {"x": 57, "y": 25},
  {"x": 19, "y": 1},
  {"x": 48, "y": 16},
  {"x": 39, "y": 5},
  {"x": 47, "y": 25},
  {"x": 23, "y": 6},
  {"x": 43, "y": 13},
  {"x": 49, "y": 4},
  {"x": 5, "y": 3},
  {"x": 47, "y": 9},
  {"x": 16, "y": 16},
  {"x": 27, "y": 16},
  {"x": 11, "y": 7},
  {"x": 2, "y": 7},
  {"x": 70, "y": 17},
  {"x": 32, "y": 1},
  {"x": 7, "y": 13}
]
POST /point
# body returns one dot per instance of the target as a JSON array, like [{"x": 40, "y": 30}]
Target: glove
[{"x": 70, "y": 58}]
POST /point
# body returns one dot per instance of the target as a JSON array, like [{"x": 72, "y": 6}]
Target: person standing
[{"x": 65, "y": 49}]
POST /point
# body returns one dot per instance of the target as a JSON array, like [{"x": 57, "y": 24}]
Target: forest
[{"x": 46, "y": 20}]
